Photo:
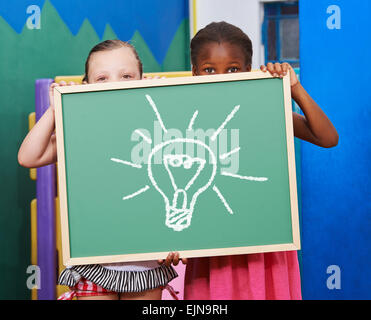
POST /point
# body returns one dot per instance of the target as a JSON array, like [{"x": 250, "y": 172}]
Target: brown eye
[
  {"x": 209, "y": 70},
  {"x": 101, "y": 79},
  {"x": 127, "y": 76},
  {"x": 233, "y": 69}
]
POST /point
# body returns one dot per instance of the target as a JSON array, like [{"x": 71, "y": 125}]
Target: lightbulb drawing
[
  {"x": 181, "y": 198},
  {"x": 179, "y": 203}
]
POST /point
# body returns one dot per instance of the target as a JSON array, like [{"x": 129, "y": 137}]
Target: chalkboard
[{"x": 200, "y": 165}]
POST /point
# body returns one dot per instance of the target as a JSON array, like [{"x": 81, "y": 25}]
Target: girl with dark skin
[{"x": 221, "y": 48}]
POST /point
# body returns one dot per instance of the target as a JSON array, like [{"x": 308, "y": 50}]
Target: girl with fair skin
[
  {"x": 223, "y": 48},
  {"x": 109, "y": 61}
]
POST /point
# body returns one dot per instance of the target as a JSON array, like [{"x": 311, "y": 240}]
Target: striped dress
[{"x": 129, "y": 278}]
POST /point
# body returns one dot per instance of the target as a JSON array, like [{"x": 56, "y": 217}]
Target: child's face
[
  {"x": 113, "y": 65},
  {"x": 219, "y": 58}
]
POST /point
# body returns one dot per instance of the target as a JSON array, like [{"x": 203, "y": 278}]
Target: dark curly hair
[{"x": 221, "y": 32}]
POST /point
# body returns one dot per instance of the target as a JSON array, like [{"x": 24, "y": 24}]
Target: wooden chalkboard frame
[{"x": 59, "y": 91}]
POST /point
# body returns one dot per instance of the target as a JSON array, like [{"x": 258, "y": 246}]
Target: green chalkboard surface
[{"x": 200, "y": 165}]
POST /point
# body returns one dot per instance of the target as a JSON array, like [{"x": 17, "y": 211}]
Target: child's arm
[
  {"x": 314, "y": 126},
  {"x": 39, "y": 147}
]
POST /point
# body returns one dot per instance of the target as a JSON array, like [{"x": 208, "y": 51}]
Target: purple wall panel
[{"x": 45, "y": 193}]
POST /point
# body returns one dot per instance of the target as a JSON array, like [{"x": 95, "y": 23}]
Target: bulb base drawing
[{"x": 178, "y": 219}]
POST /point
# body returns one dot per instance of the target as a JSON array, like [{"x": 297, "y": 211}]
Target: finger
[
  {"x": 270, "y": 68},
  {"x": 263, "y": 68},
  {"x": 62, "y": 83},
  {"x": 160, "y": 261},
  {"x": 176, "y": 259},
  {"x": 278, "y": 69},
  {"x": 293, "y": 77},
  {"x": 71, "y": 83},
  {"x": 52, "y": 86},
  {"x": 169, "y": 258},
  {"x": 290, "y": 68},
  {"x": 184, "y": 260},
  {"x": 51, "y": 93},
  {"x": 285, "y": 68}
]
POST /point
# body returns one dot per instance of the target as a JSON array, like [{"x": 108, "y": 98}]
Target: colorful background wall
[
  {"x": 334, "y": 55},
  {"x": 59, "y": 45}
]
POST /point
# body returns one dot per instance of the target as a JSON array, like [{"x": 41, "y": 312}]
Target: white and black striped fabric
[{"x": 118, "y": 281}]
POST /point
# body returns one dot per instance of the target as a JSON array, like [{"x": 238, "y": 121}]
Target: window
[{"x": 281, "y": 32}]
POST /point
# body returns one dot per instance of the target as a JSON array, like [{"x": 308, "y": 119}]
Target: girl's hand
[
  {"x": 280, "y": 70},
  {"x": 313, "y": 126},
  {"x": 51, "y": 90},
  {"x": 172, "y": 258}
]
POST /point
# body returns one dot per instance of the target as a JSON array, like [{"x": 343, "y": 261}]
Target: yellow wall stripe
[{"x": 194, "y": 13}]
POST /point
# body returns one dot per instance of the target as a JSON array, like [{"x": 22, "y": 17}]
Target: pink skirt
[{"x": 261, "y": 276}]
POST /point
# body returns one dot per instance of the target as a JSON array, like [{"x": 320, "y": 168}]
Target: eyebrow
[
  {"x": 127, "y": 72},
  {"x": 100, "y": 73},
  {"x": 105, "y": 73},
  {"x": 211, "y": 63}
]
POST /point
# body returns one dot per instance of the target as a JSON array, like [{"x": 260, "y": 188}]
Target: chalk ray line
[
  {"x": 227, "y": 154},
  {"x": 153, "y": 105},
  {"x": 126, "y": 163},
  {"x": 190, "y": 126},
  {"x": 260, "y": 179},
  {"x": 229, "y": 117},
  {"x": 136, "y": 193},
  {"x": 147, "y": 139},
  {"x": 220, "y": 196}
]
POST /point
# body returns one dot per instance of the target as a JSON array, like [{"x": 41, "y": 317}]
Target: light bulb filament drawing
[
  {"x": 179, "y": 217},
  {"x": 180, "y": 199}
]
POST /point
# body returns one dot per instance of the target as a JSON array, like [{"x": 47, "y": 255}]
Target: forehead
[
  {"x": 220, "y": 52},
  {"x": 115, "y": 58}
]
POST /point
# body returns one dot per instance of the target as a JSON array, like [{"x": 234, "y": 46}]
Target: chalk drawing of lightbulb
[{"x": 180, "y": 202}]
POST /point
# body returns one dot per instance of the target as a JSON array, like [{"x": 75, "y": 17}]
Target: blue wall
[
  {"x": 336, "y": 196},
  {"x": 156, "y": 20}
]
